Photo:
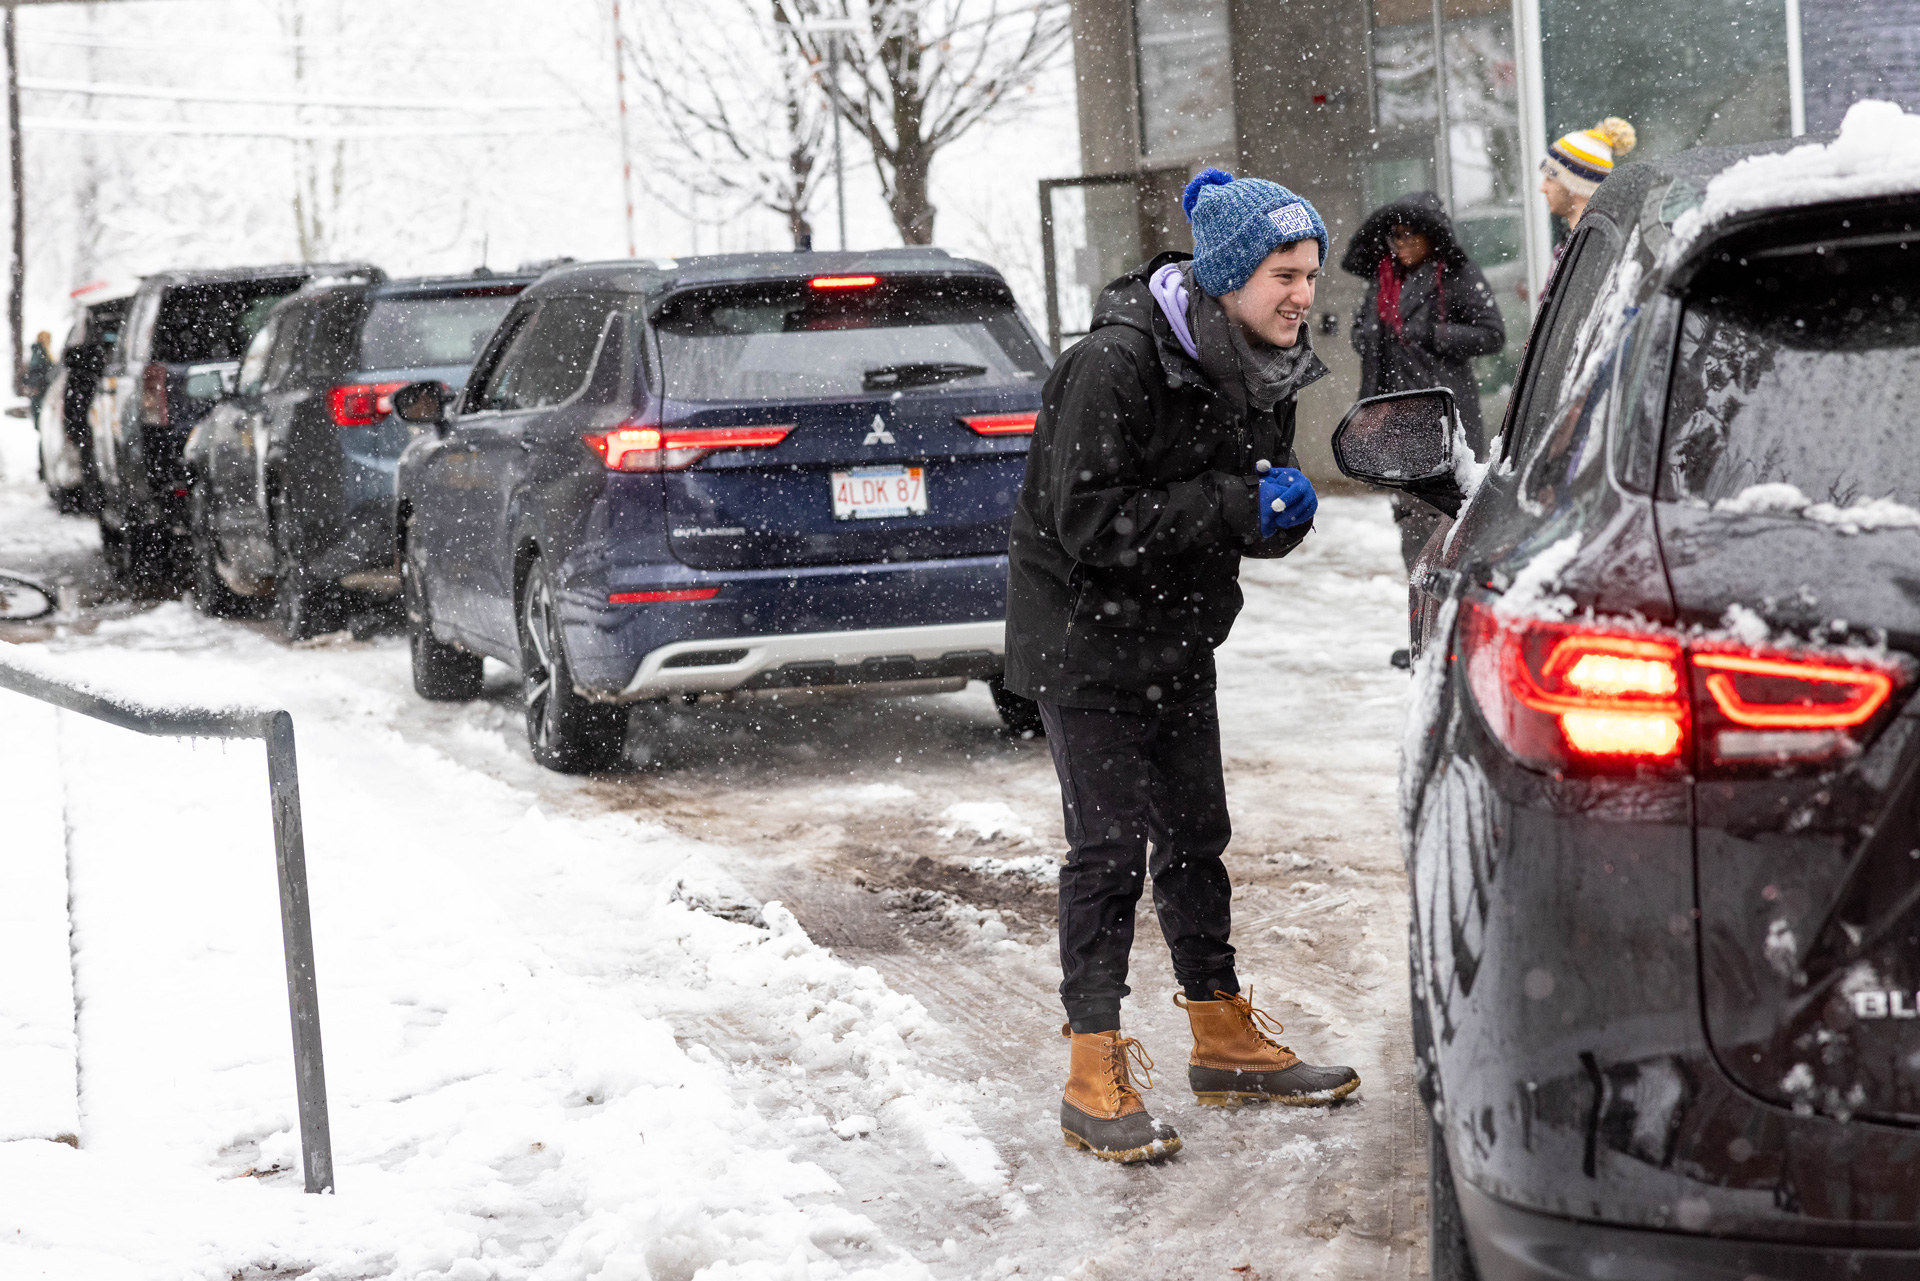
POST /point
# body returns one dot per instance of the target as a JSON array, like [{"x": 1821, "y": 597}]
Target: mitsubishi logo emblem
[{"x": 878, "y": 433}]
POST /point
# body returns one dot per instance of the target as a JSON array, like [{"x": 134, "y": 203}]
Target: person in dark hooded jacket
[
  {"x": 1428, "y": 312},
  {"x": 1162, "y": 455}
]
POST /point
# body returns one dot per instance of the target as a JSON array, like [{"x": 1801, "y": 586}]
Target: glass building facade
[{"x": 1358, "y": 102}]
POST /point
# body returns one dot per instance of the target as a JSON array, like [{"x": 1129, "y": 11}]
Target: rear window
[
  {"x": 1801, "y": 367},
  {"x": 419, "y": 333},
  {"x": 215, "y": 321},
  {"x": 790, "y": 341}
]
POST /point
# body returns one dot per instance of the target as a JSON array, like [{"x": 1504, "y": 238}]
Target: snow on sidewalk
[{"x": 499, "y": 988}]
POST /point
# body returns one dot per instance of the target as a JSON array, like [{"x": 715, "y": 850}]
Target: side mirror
[
  {"x": 424, "y": 403},
  {"x": 1403, "y": 440}
]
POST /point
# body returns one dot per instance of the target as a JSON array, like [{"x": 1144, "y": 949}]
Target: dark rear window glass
[
  {"x": 217, "y": 321},
  {"x": 419, "y": 333},
  {"x": 1799, "y": 367},
  {"x": 790, "y": 341}
]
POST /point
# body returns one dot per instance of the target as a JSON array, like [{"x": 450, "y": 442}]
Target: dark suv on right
[
  {"x": 1661, "y": 777},
  {"x": 178, "y": 350}
]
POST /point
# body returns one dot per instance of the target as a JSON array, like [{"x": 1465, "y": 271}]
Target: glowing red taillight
[
  {"x": 844, "y": 282},
  {"x": 1603, "y": 696},
  {"x": 1768, "y": 708},
  {"x": 654, "y": 598},
  {"x": 1020, "y": 424},
  {"x": 1564, "y": 694},
  {"x": 633, "y": 447},
  {"x": 361, "y": 404}
]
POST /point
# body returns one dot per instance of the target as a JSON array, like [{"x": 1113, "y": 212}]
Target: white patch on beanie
[{"x": 1291, "y": 221}]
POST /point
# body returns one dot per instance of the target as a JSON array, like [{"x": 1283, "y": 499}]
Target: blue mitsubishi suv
[{"x": 732, "y": 473}]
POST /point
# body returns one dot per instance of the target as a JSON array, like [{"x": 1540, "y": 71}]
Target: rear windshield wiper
[{"x": 921, "y": 373}]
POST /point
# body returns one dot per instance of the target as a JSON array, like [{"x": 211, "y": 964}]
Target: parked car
[
  {"x": 66, "y": 444},
  {"x": 1662, "y": 787},
  {"x": 730, "y": 473},
  {"x": 179, "y": 347},
  {"x": 291, "y": 478}
]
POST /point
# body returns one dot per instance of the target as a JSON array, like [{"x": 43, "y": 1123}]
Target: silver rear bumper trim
[{"x": 806, "y": 659}]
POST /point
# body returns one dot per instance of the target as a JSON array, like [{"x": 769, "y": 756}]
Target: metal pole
[
  {"x": 1049, "y": 265},
  {"x": 626, "y": 153},
  {"x": 296, "y": 937},
  {"x": 1796, "y": 73},
  {"x": 1442, "y": 144},
  {"x": 275, "y": 728},
  {"x": 17, "y": 284},
  {"x": 839, "y": 166},
  {"x": 1528, "y": 56}
]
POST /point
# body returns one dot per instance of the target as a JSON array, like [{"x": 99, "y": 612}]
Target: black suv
[
  {"x": 179, "y": 346},
  {"x": 291, "y": 477},
  {"x": 1662, "y": 783}
]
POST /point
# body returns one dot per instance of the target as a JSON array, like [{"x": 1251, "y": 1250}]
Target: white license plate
[{"x": 868, "y": 493}]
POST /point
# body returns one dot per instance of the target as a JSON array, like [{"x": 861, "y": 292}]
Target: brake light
[
  {"x": 153, "y": 395},
  {"x": 631, "y": 447},
  {"x": 361, "y": 404},
  {"x": 1780, "y": 707},
  {"x": 1599, "y": 697},
  {"x": 1560, "y": 695},
  {"x": 649, "y": 598},
  {"x": 1002, "y": 424},
  {"x": 844, "y": 282}
]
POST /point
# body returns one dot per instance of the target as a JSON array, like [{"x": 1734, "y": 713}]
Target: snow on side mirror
[
  {"x": 1403, "y": 440},
  {"x": 422, "y": 402}
]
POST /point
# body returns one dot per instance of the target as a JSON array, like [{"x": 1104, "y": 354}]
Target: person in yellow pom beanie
[{"x": 1577, "y": 164}]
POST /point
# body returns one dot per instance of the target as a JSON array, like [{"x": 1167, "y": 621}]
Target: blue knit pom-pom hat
[{"x": 1237, "y": 222}]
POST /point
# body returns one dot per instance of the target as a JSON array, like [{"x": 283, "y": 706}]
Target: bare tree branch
[
  {"x": 923, "y": 73},
  {"x": 734, "y": 110}
]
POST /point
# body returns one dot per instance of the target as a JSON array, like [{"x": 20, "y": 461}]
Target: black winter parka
[
  {"x": 1439, "y": 341},
  {"x": 1140, "y": 498}
]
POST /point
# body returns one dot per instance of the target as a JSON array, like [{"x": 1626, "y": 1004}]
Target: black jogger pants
[{"x": 1126, "y": 780}]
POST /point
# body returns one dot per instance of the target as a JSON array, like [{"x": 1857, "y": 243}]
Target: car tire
[
  {"x": 568, "y": 733},
  {"x": 211, "y": 595},
  {"x": 1021, "y": 715},
  {"x": 296, "y": 596},
  {"x": 1449, "y": 1256},
  {"x": 441, "y": 673}
]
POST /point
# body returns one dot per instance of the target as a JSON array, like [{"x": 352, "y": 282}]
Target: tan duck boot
[
  {"x": 1101, "y": 1111},
  {"x": 1234, "y": 1061}
]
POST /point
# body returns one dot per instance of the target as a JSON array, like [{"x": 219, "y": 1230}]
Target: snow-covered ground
[{"x": 777, "y": 1003}]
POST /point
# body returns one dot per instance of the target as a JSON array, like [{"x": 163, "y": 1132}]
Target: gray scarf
[{"x": 1249, "y": 371}]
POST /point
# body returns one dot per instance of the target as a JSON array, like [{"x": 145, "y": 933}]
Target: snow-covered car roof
[{"x": 1876, "y": 153}]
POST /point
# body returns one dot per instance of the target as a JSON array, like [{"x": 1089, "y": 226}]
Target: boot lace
[
  {"x": 1123, "y": 1052},
  {"x": 1257, "y": 1019}
]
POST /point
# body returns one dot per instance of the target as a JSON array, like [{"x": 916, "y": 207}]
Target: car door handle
[{"x": 1439, "y": 581}]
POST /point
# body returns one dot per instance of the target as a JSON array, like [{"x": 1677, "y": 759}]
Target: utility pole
[
  {"x": 626, "y": 154},
  {"x": 17, "y": 279},
  {"x": 839, "y": 164}
]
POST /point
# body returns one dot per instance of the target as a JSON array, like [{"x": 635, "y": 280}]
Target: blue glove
[{"x": 1288, "y": 490}]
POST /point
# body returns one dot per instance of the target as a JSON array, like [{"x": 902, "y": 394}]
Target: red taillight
[
  {"x": 844, "y": 282},
  {"x": 649, "y": 598},
  {"x": 361, "y": 404},
  {"x": 1779, "y": 707},
  {"x": 636, "y": 448},
  {"x": 1565, "y": 694},
  {"x": 1599, "y": 697},
  {"x": 153, "y": 395},
  {"x": 1002, "y": 424}
]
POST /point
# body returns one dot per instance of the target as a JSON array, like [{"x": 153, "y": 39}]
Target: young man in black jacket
[{"x": 1163, "y": 454}]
